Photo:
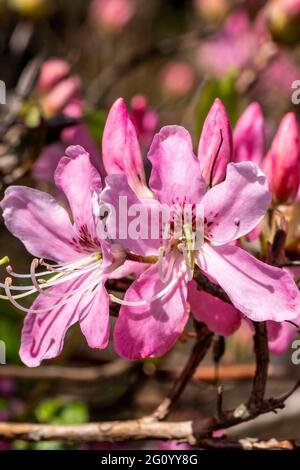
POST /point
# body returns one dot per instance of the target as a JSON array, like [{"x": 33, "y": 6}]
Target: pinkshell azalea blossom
[
  {"x": 282, "y": 162},
  {"x": 74, "y": 288},
  {"x": 155, "y": 308},
  {"x": 121, "y": 151}
]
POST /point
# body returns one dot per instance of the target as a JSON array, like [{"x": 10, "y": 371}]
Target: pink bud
[
  {"x": 249, "y": 136},
  {"x": 215, "y": 146},
  {"x": 145, "y": 120},
  {"x": 60, "y": 95},
  {"x": 282, "y": 162},
  {"x": 52, "y": 71},
  {"x": 112, "y": 14},
  {"x": 177, "y": 78}
]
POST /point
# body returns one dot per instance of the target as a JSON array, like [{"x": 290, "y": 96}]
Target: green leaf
[
  {"x": 225, "y": 90},
  {"x": 95, "y": 121},
  {"x": 74, "y": 413},
  {"x": 48, "y": 410}
]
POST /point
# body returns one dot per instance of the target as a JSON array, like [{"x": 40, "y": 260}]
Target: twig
[
  {"x": 261, "y": 350},
  {"x": 77, "y": 374},
  {"x": 204, "y": 338}
]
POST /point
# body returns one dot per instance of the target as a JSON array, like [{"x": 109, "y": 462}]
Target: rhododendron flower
[
  {"x": 238, "y": 45},
  {"x": 282, "y": 162},
  {"x": 74, "y": 291},
  {"x": 155, "y": 308}
]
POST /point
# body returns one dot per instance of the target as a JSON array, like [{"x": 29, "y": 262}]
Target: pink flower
[
  {"x": 113, "y": 15},
  {"x": 121, "y": 151},
  {"x": 249, "y": 136},
  {"x": 145, "y": 120},
  {"x": 56, "y": 88},
  {"x": 52, "y": 71},
  {"x": 75, "y": 291},
  {"x": 233, "y": 47},
  {"x": 155, "y": 308},
  {"x": 282, "y": 162},
  {"x": 177, "y": 78}
]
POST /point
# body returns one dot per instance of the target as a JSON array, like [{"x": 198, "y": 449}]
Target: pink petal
[
  {"x": 249, "y": 136},
  {"x": 235, "y": 207},
  {"x": 121, "y": 198},
  {"x": 43, "y": 333},
  {"x": 260, "y": 291},
  {"x": 94, "y": 317},
  {"x": 82, "y": 137},
  {"x": 39, "y": 222},
  {"x": 175, "y": 172},
  {"x": 45, "y": 166},
  {"x": 280, "y": 336},
  {"x": 150, "y": 331},
  {"x": 120, "y": 148},
  {"x": 215, "y": 124},
  {"x": 220, "y": 317},
  {"x": 282, "y": 163},
  {"x": 81, "y": 182}
]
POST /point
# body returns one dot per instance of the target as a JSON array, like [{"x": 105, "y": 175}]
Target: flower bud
[
  {"x": 282, "y": 162},
  {"x": 144, "y": 119},
  {"x": 177, "y": 78},
  {"x": 60, "y": 95},
  {"x": 112, "y": 15},
  {"x": 52, "y": 71}
]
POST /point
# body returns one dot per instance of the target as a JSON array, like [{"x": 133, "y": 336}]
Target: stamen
[{"x": 8, "y": 282}]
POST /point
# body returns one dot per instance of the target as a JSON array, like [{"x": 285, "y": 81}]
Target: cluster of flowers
[{"x": 78, "y": 250}]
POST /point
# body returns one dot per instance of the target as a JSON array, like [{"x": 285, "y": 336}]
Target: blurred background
[{"x": 63, "y": 64}]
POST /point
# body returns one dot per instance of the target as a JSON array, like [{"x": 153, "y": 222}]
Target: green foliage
[
  {"x": 225, "y": 90},
  {"x": 57, "y": 412},
  {"x": 95, "y": 121}
]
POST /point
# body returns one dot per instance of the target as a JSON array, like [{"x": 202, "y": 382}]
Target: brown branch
[
  {"x": 100, "y": 432},
  {"x": 204, "y": 338},
  {"x": 77, "y": 374},
  {"x": 261, "y": 350}
]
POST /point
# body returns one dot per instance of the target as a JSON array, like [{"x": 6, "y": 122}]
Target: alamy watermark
[
  {"x": 2, "y": 353},
  {"x": 296, "y": 354},
  {"x": 296, "y": 94},
  {"x": 2, "y": 92}
]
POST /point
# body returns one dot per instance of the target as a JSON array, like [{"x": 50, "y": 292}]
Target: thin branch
[
  {"x": 261, "y": 350},
  {"x": 204, "y": 338},
  {"x": 77, "y": 374}
]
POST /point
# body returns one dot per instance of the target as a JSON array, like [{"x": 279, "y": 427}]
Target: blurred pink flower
[
  {"x": 112, "y": 15},
  {"x": 144, "y": 119},
  {"x": 233, "y": 47},
  {"x": 291, "y": 6},
  {"x": 52, "y": 71},
  {"x": 177, "y": 78},
  {"x": 56, "y": 88}
]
